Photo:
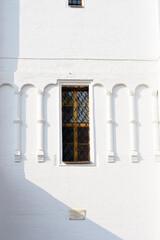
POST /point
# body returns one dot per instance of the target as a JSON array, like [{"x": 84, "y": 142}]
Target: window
[
  {"x": 75, "y": 2},
  {"x": 75, "y": 124}
]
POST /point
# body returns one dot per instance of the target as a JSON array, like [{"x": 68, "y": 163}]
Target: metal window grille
[
  {"x": 75, "y": 2},
  {"x": 75, "y": 124}
]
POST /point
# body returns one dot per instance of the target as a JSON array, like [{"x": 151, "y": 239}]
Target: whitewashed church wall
[
  {"x": 39, "y": 195},
  {"x": 40, "y": 30},
  {"x": 116, "y": 48}
]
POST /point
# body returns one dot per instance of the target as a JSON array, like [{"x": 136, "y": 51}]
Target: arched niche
[
  {"x": 100, "y": 120},
  {"x": 51, "y": 116},
  {"x": 144, "y": 121},
  {"x": 121, "y": 129},
  {"x": 29, "y": 121}
]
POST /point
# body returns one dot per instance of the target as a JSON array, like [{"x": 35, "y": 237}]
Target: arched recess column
[
  {"x": 155, "y": 125},
  {"x": 17, "y": 123},
  {"x": 110, "y": 145},
  {"x": 40, "y": 126},
  {"x": 133, "y": 137}
]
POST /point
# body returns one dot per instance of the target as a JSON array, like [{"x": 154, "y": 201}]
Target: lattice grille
[
  {"x": 75, "y": 2},
  {"x": 75, "y": 120}
]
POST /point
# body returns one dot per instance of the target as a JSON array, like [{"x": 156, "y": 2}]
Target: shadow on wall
[
  {"x": 9, "y": 39},
  {"x": 9, "y": 52},
  {"x": 27, "y": 211}
]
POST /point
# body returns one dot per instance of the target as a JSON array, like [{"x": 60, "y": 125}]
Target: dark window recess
[
  {"x": 75, "y": 2},
  {"x": 75, "y": 124}
]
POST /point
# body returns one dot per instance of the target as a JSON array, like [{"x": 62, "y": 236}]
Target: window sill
[
  {"x": 76, "y": 6},
  {"x": 79, "y": 164}
]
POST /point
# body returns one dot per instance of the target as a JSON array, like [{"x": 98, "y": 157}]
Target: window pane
[
  {"x": 83, "y": 153},
  {"x": 83, "y": 135},
  {"x": 67, "y": 134},
  {"x": 68, "y": 153},
  {"x": 74, "y": 2},
  {"x": 82, "y": 115},
  {"x": 67, "y": 114},
  {"x": 67, "y": 97},
  {"x": 75, "y": 119},
  {"x": 82, "y": 98}
]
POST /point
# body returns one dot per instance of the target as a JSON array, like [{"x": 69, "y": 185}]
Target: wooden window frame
[{"x": 76, "y": 83}]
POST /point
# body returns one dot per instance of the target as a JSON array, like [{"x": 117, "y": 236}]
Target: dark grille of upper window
[{"x": 75, "y": 2}]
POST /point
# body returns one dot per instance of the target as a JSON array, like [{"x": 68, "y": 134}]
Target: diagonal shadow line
[{"x": 29, "y": 212}]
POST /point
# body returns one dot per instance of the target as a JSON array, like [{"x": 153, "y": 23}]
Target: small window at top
[{"x": 75, "y": 2}]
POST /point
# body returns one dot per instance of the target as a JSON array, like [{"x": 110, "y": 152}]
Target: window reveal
[{"x": 75, "y": 124}]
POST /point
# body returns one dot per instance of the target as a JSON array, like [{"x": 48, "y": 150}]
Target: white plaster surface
[{"x": 115, "y": 44}]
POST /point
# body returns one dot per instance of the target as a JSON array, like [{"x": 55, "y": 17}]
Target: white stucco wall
[
  {"x": 115, "y": 45},
  {"x": 101, "y": 29}
]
